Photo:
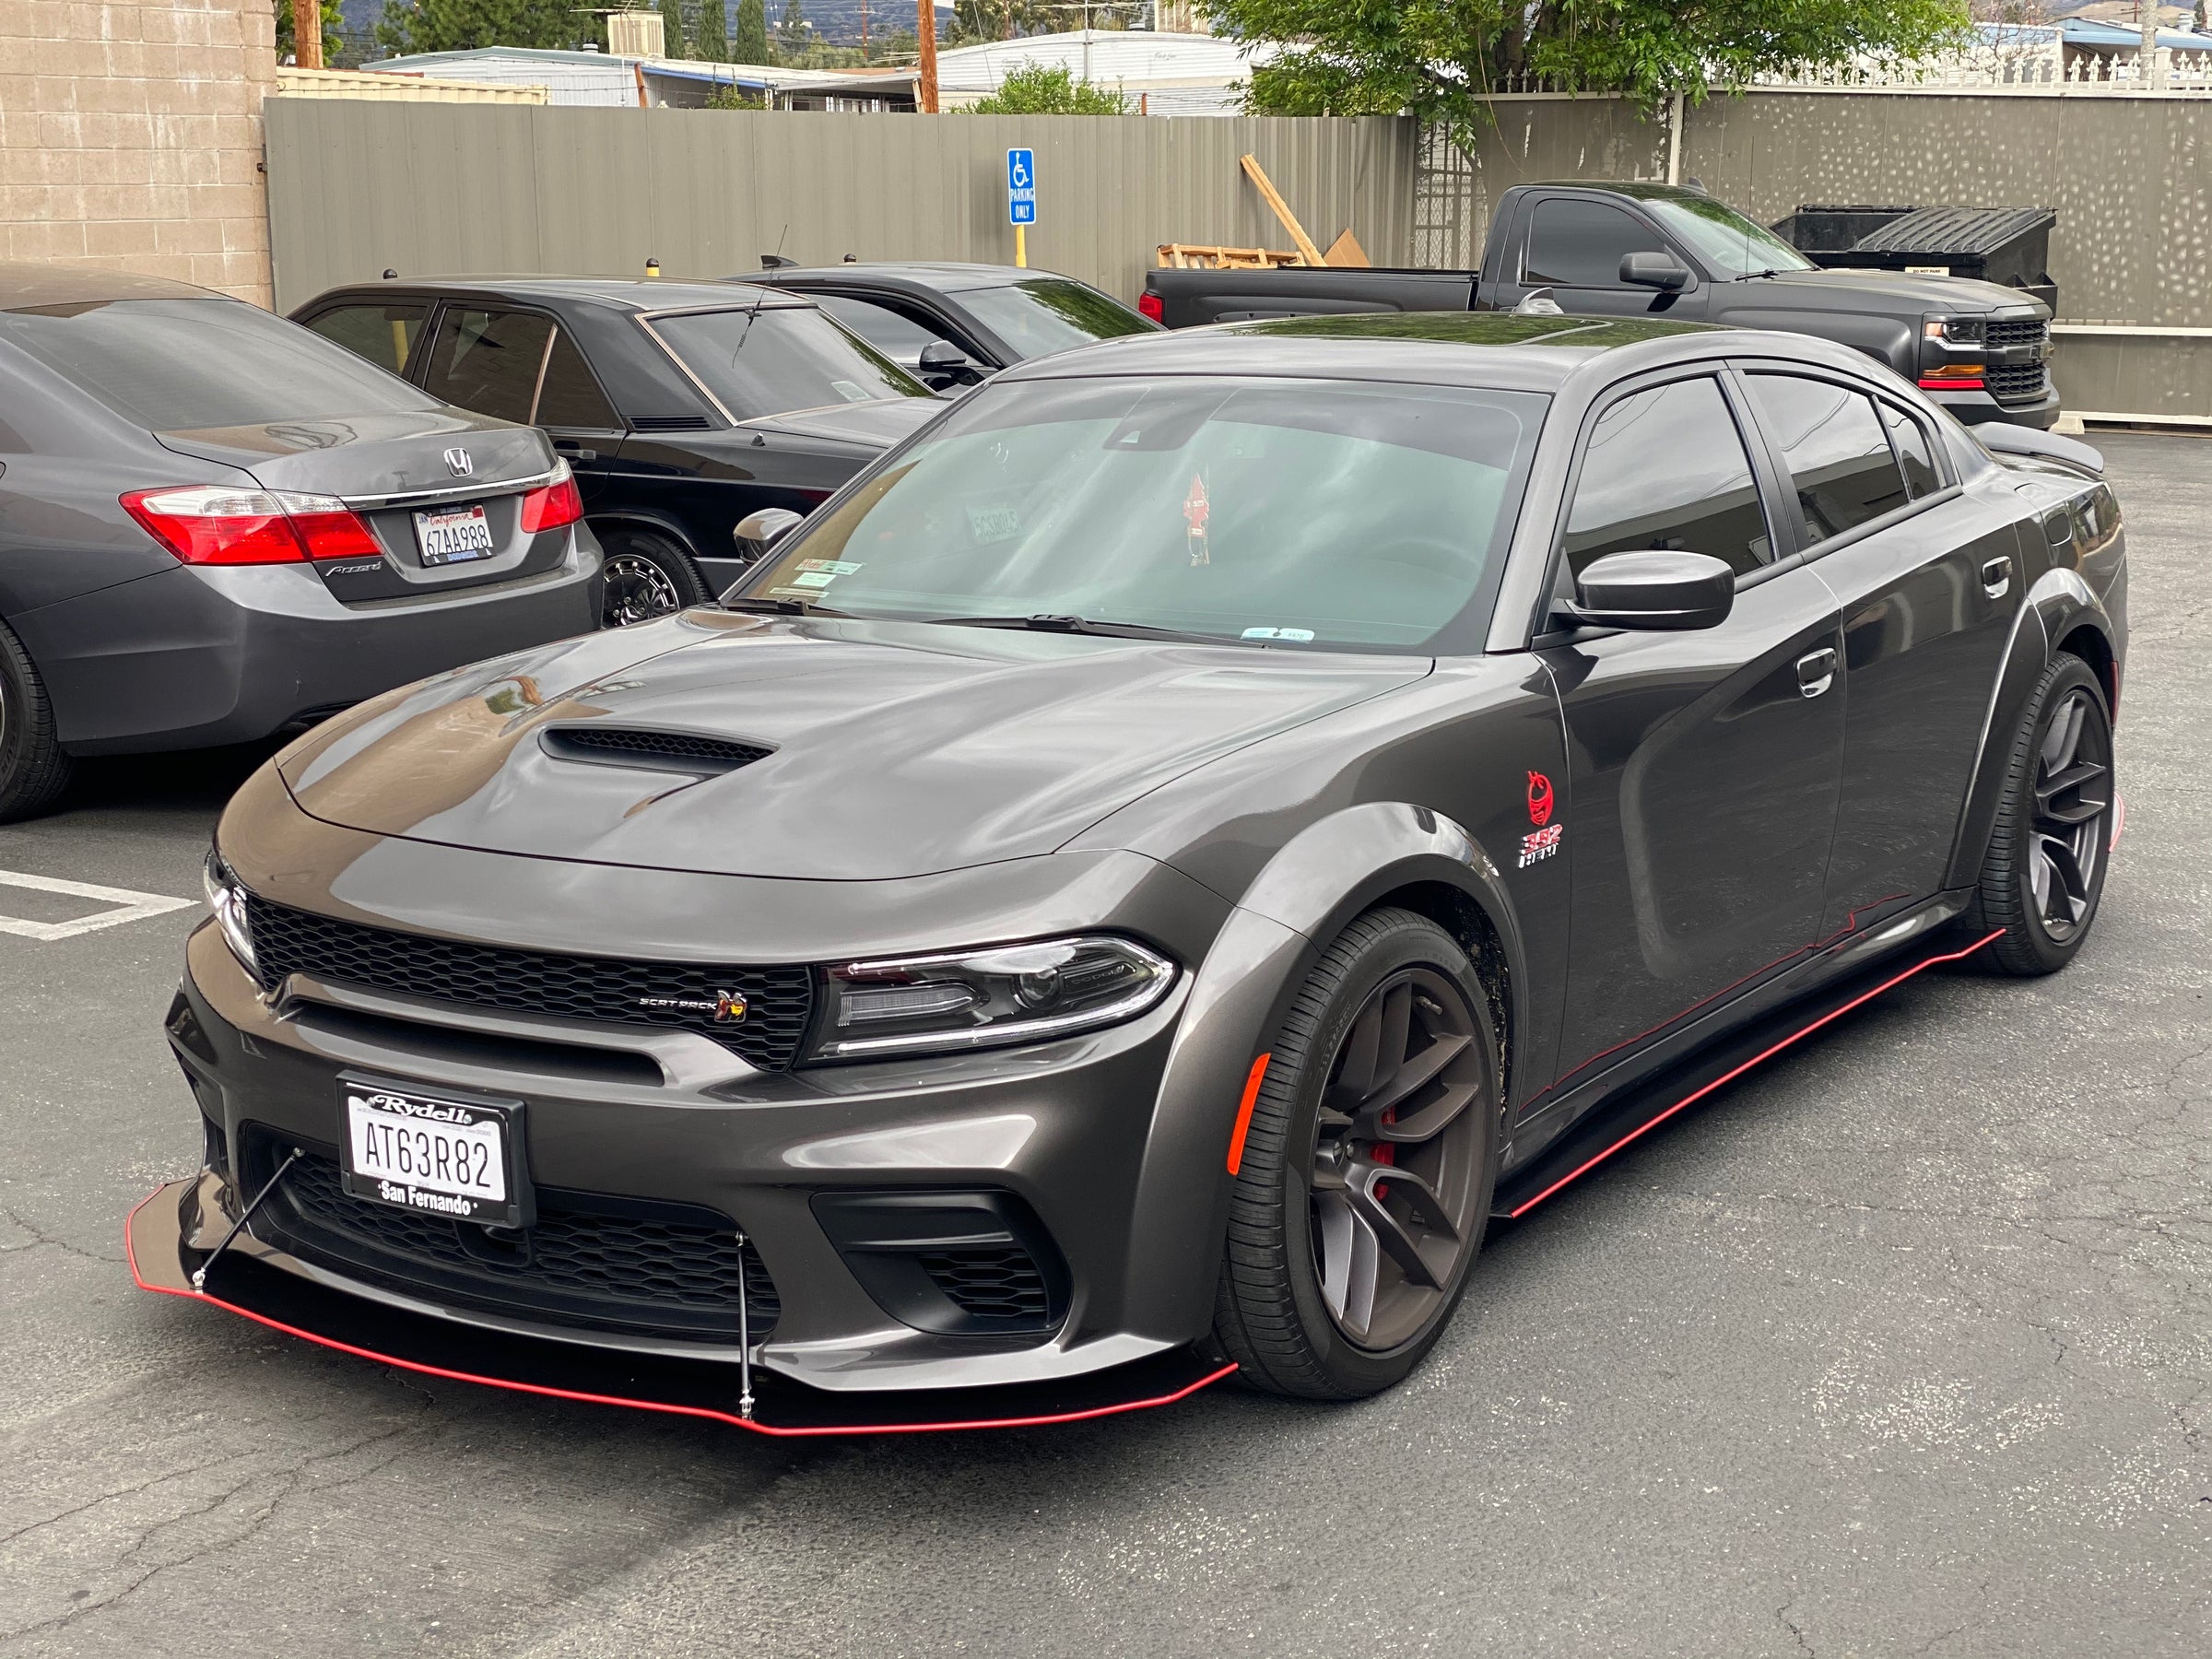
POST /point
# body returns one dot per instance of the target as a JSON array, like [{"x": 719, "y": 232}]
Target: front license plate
[
  {"x": 453, "y": 535},
  {"x": 433, "y": 1155}
]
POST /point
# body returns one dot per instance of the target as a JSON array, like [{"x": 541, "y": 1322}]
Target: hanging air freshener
[{"x": 1197, "y": 509}]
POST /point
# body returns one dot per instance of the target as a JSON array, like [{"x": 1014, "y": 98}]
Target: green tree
[
  {"x": 333, "y": 22},
  {"x": 1440, "y": 59},
  {"x": 713, "y": 36},
  {"x": 1034, "y": 89},
  {"x": 792, "y": 33},
  {"x": 750, "y": 43},
  {"x": 672, "y": 28},
  {"x": 461, "y": 25}
]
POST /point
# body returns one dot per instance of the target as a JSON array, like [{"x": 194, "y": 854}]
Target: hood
[
  {"x": 878, "y": 423},
  {"x": 892, "y": 750},
  {"x": 1956, "y": 294},
  {"x": 395, "y": 452}
]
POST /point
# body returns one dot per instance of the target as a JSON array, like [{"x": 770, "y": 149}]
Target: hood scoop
[{"x": 684, "y": 752}]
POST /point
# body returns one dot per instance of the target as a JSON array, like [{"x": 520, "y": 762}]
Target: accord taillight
[
  {"x": 216, "y": 525},
  {"x": 552, "y": 505}
]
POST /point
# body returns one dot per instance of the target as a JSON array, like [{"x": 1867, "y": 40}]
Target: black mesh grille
[
  {"x": 777, "y": 1001},
  {"x": 720, "y": 754},
  {"x": 2015, "y": 382},
  {"x": 1001, "y": 1283},
  {"x": 588, "y": 1259},
  {"x": 2022, "y": 330},
  {"x": 668, "y": 423}
]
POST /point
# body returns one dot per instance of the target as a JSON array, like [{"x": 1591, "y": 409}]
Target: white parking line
[{"x": 130, "y": 907}]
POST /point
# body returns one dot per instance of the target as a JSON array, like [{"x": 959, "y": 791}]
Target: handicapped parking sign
[{"x": 1021, "y": 187}]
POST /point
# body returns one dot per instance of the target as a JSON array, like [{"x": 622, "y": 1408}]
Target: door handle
[
  {"x": 1817, "y": 671},
  {"x": 1996, "y": 576},
  {"x": 574, "y": 451}
]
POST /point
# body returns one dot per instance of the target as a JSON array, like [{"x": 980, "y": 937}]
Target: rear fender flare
[
  {"x": 2058, "y": 602},
  {"x": 1303, "y": 898},
  {"x": 655, "y": 524}
]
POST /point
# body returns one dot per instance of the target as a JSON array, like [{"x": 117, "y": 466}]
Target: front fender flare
[{"x": 1301, "y": 899}]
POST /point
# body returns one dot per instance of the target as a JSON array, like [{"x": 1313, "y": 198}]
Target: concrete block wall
[{"x": 130, "y": 137}]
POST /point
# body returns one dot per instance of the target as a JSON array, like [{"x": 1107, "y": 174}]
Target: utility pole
[
  {"x": 307, "y": 37},
  {"x": 864, "y": 33},
  {"x": 925, "y": 36},
  {"x": 2147, "y": 12}
]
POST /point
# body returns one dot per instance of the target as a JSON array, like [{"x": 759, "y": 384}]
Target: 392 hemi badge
[
  {"x": 725, "y": 1007},
  {"x": 1543, "y": 840}
]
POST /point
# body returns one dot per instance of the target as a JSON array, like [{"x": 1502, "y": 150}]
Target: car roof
[
  {"x": 946, "y": 277},
  {"x": 1635, "y": 189},
  {"x": 621, "y": 293},
  {"x": 1493, "y": 350},
  {"x": 27, "y": 284}
]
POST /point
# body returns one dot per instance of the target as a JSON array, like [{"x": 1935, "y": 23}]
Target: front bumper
[{"x": 1971, "y": 409}]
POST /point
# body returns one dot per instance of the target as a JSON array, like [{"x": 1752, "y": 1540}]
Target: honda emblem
[{"x": 458, "y": 462}]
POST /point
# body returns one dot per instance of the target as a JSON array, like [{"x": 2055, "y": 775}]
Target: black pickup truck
[{"x": 1667, "y": 251}]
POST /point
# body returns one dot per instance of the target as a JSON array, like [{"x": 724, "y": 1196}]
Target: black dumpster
[{"x": 2007, "y": 245}]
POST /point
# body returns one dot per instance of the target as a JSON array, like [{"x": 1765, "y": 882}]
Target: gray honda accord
[
  {"x": 216, "y": 524},
  {"x": 1133, "y": 885}
]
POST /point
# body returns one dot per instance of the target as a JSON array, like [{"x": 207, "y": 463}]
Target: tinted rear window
[{"x": 180, "y": 365}]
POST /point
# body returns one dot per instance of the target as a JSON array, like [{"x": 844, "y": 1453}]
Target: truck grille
[
  {"x": 2015, "y": 383},
  {"x": 2017, "y": 331},
  {"x": 777, "y": 1001},
  {"x": 590, "y": 1260}
]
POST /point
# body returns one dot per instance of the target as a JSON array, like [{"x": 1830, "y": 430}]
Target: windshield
[
  {"x": 1049, "y": 313},
  {"x": 1732, "y": 245},
  {"x": 779, "y": 359},
  {"x": 187, "y": 365},
  {"x": 1273, "y": 511}
]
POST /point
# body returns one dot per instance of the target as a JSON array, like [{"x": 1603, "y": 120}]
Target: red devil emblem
[{"x": 1539, "y": 799}]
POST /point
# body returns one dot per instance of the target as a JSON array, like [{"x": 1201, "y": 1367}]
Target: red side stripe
[
  {"x": 1690, "y": 1100},
  {"x": 1251, "y": 1094},
  {"x": 695, "y": 1411}
]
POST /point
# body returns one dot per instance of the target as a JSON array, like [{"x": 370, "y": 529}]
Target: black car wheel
[
  {"x": 1366, "y": 1174},
  {"x": 2044, "y": 871},
  {"x": 33, "y": 770},
  {"x": 647, "y": 576}
]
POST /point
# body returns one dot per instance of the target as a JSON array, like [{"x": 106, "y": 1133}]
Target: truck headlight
[
  {"x": 1955, "y": 331},
  {"x": 227, "y": 901},
  {"x": 986, "y": 998}
]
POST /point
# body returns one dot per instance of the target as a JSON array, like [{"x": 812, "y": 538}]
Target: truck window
[
  {"x": 1834, "y": 446},
  {"x": 1581, "y": 244},
  {"x": 1667, "y": 468}
]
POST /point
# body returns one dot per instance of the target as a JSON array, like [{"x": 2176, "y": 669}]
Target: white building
[{"x": 1164, "y": 74}]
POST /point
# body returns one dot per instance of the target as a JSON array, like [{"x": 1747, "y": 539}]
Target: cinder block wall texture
[{"x": 130, "y": 137}]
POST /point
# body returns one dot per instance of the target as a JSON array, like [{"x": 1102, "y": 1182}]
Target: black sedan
[
  {"x": 953, "y": 325},
  {"x": 215, "y": 526},
  {"x": 683, "y": 408},
  {"x": 1149, "y": 873}
]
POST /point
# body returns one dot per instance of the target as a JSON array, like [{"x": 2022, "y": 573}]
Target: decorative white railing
[{"x": 2033, "y": 69}]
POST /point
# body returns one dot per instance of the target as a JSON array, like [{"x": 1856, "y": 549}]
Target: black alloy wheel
[
  {"x": 1365, "y": 1182},
  {"x": 33, "y": 770},
  {"x": 646, "y": 576},
  {"x": 2044, "y": 871}
]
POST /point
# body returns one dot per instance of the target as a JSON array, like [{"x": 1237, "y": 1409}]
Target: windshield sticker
[
  {"x": 1197, "y": 509},
  {"x": 851, "y": 392},
  {"x": 835, "y": 567},
  {"x": 994, "y": 522},
  {"x": 813, "y": 579},
  {"x": 1297, "y": 634}
]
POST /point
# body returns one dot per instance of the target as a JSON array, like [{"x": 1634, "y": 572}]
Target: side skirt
[{"x": 1639, "y": 1109}]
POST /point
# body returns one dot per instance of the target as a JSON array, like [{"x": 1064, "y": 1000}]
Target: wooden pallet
[{"x": 1207, "y": 256}]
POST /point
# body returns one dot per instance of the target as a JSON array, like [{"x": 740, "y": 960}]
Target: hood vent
[
  {"x": 668, "y": 423},
  {"x": 652, "y": 751}
]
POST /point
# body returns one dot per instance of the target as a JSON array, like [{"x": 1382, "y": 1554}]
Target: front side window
[
  {"x": 898, "y": 337},
  {"x": 386, "y": 335},
  {"x": 772, "y": 360},
  {"x": 1273, "y": 511},
  {"x": 489, "y": 361},
  {"x": 186, "y": 365},
  {"x": 1834, "y": 449},
  {"x": 1051, "y": 313},
  {"x": 1581, "y": 244},
  {"x": 1668, "y": 468}
]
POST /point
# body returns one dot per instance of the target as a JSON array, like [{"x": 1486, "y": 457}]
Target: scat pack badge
[{"x": 1543, "y": 840}]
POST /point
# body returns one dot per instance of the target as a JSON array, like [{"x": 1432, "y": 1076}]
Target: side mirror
[
  {"x": 758, "y": 532},
  {"x": 943, "y": 364},
  {"x": 1655, "y": 588},
  {"x": 1661, "y": 271}
]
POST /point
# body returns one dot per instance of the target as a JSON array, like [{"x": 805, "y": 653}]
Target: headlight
[
  {"x": 1955, "y": 331},
  {"x": 984, "y": 998},
  {"x": 227, "y": 901}
]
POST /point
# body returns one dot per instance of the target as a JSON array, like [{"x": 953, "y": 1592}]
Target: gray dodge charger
[{"x": 1137, "y": 883}]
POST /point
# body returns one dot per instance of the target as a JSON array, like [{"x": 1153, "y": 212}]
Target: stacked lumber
[{"x": 1210, "y": 256}]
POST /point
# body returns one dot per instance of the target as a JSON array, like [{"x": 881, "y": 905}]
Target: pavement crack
[{"x": 42, "y": 1240}]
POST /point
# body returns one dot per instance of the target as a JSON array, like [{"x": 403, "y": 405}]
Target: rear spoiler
[{"x": 2002, "y": 437}]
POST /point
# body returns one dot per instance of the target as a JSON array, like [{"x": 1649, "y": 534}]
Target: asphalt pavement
[{"x": 1902, "y": 1344}]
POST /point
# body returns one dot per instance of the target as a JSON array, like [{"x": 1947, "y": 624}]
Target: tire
[
  {"x": 2043, "y": 874},
  {"x": 1296, "y": 1307},
  {"x": 33, "y": 771},
  {"x": 646, "y": 576}
]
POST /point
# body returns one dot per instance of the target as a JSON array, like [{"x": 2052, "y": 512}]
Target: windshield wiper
[
  {"x": 1051, "y": 622},
  {"x": 781, "y": 607}
]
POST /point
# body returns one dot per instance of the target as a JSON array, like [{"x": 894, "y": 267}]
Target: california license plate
[
  {"x": 453, "y": 535},
  {"x": 431, "y": 1155}
]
